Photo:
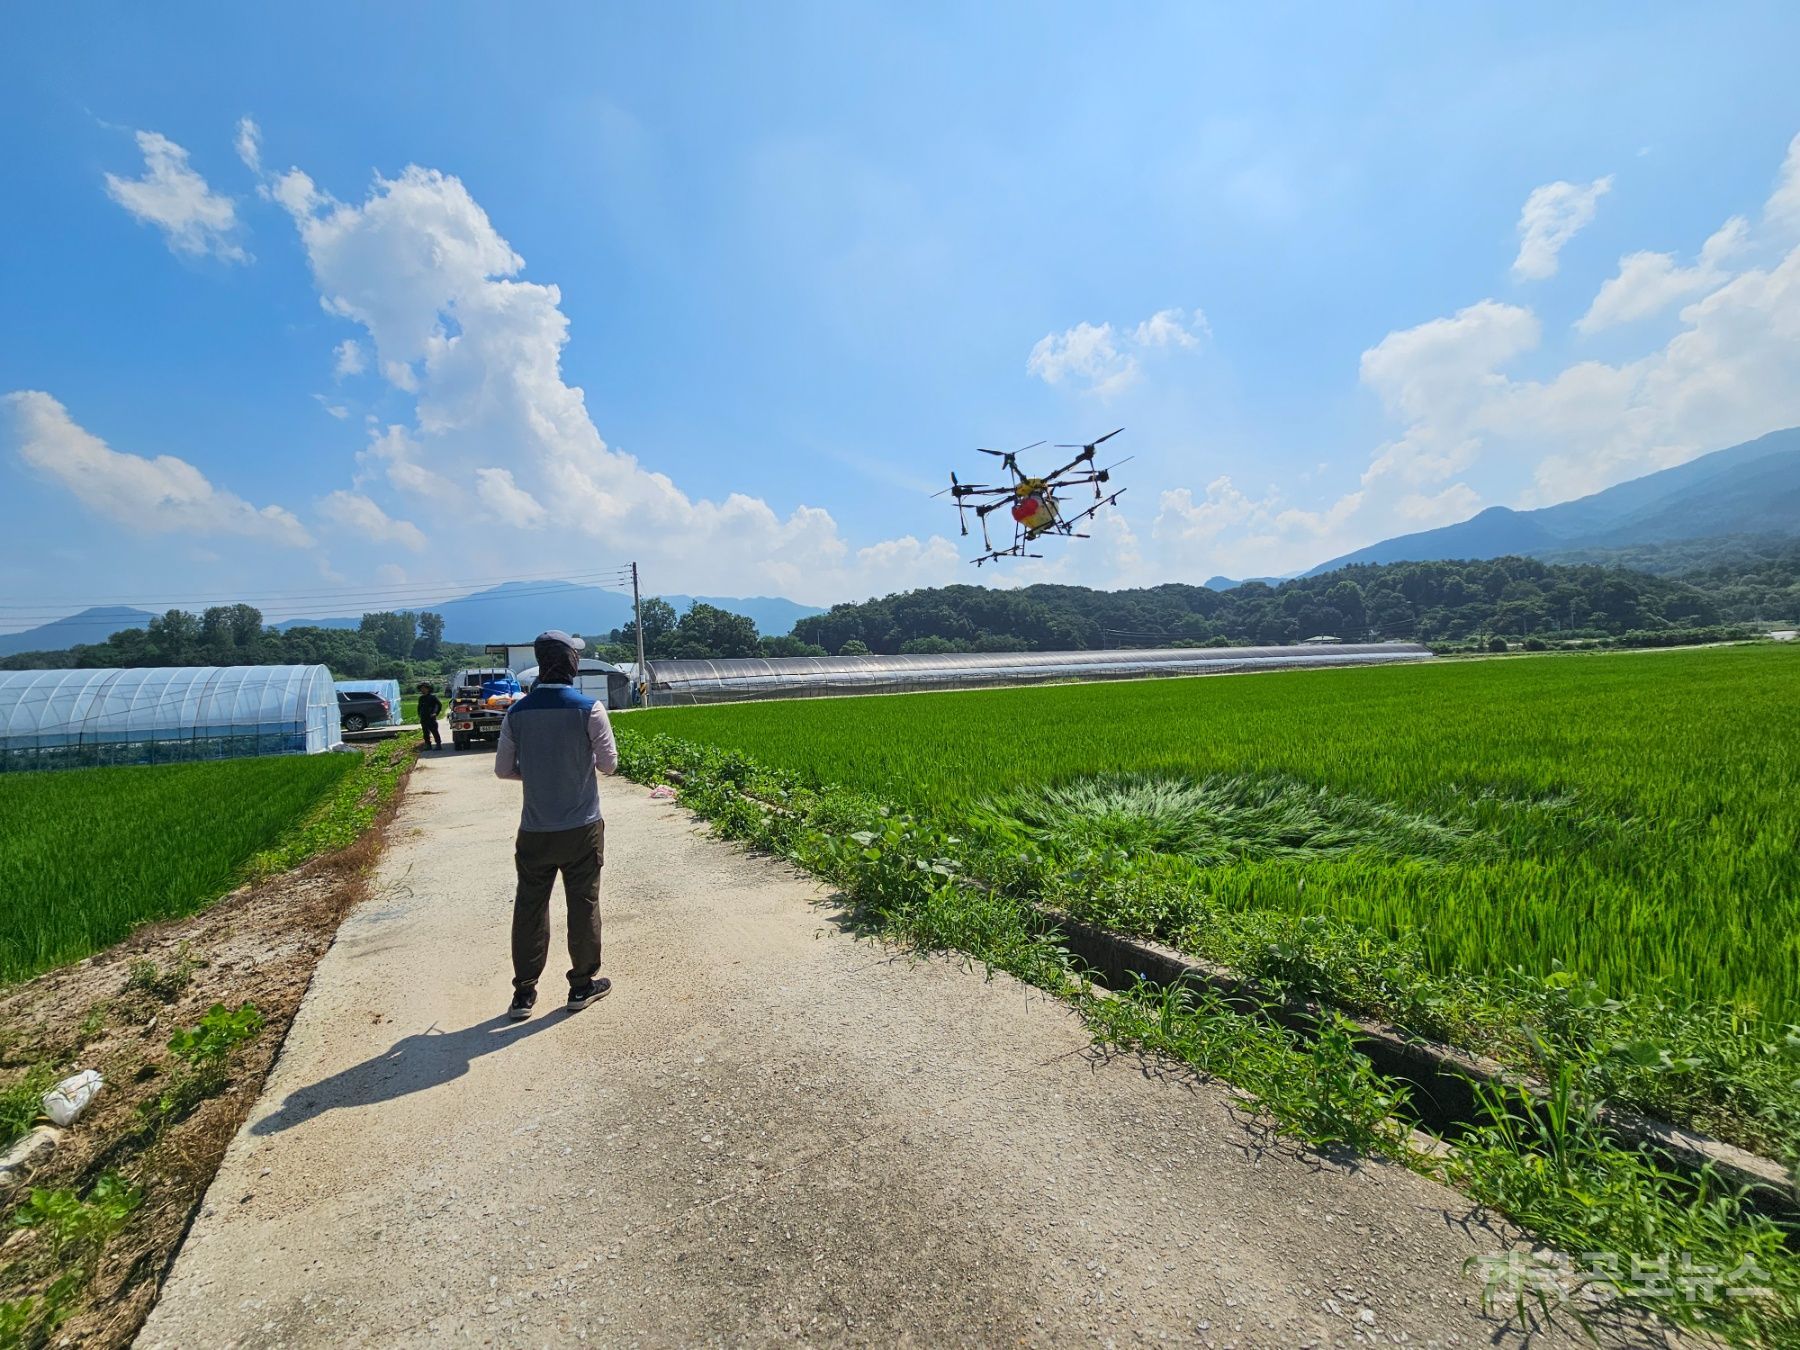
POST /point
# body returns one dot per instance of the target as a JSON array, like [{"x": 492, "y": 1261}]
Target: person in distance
[{"x": 430, "y": 705}]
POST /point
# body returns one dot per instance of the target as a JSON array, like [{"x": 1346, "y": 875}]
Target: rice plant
[
  {"x": 1548, "y": 1165},
  {"x": 1633, "y": 820},
  {"x": 91, "y": 853}
]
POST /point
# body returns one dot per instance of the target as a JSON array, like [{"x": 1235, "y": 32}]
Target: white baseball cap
[{"x": 557, "y": 635}]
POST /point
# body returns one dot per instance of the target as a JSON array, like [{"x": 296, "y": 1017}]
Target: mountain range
[
  {"x": 518, "y": 611},
  {"x": 1749, "y": 489},
  {"x": 514, "y": 612},
  {"x": 1232, "y": 583},
  {"x": 91, "y": 625}
]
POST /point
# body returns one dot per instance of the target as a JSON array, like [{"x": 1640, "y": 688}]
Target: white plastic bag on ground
[{"x": 69, "y": 1098}]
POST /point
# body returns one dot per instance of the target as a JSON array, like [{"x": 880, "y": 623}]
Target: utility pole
[{"x": 637, "y": 609}]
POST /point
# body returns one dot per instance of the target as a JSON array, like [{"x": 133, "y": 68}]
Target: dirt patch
[{"x": 116, "y": 1012}]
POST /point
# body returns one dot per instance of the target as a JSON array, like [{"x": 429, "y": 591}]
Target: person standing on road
[
  {"x": 556, "y": 740},
  {"x": 430, "y": 705}
]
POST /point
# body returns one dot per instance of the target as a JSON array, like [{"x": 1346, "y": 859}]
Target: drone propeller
[
  {"x": 1009, "y": 454},
  {"x": 1105, "y": 475},
  {"x": 951, "y": 489},
  {"x": 1087, "y": 450}
]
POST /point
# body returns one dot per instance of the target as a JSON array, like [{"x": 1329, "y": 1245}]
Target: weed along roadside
[
  {"x": 1550, "y": 1158},
  {"x": 182, "y": 1018},
  {"x": 1447, "y": 1087}
]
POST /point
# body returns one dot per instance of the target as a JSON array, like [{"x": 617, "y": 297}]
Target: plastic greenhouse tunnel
[
  {"x": 388, "y": 689},
  {"x": 59, "y": 719},
  {"x": 696, "y": 681}
]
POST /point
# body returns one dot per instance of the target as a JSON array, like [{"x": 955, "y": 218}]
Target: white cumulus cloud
[
  {"x": 1106, "y": 360},
  {"x": 1320, "y": 524},
  {"x": 508, "y": 501},
  {"x": 393, "y": 454},
  {"x": 1425, "y": 510},
  {"x": 1228, "y": 530},
  {"x": 1171, "y": 328},
  {"x": 348, "y": 359},
  {"x": 362, "y": 516},
  {"x": 1437, "y": 378},
  {"x": 1726, "y": 376},
  {"x": 164, "y": 495},
  {"x": 1554, "y": 214},
  {"x": 1783, "y": 208},
  {"x": 1467, "y": 395},
  {"x": 419, "y": 266},
  {"x": 1648, "y": 283},
  {"x": 1180, "y": 518},
  {"x": 248, "y": 143},
  {"x": 1087, "y": 352},
  {"x": 172, "y": 196}
]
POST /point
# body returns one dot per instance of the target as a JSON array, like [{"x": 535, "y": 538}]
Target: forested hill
[
  {"x": 1427, "y": 601},
  {"x": 1727, "y": 581}
]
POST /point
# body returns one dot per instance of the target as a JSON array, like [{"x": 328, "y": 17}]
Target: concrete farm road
[{"x": 770, "y": 1131}]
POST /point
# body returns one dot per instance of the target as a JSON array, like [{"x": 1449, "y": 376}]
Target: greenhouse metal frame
[
  {"x": 55, "y": 719},
  {"x": 684, "y": 682}
]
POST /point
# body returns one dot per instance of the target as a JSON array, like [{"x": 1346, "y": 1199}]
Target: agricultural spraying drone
[{"x": 1036, "y": 511}]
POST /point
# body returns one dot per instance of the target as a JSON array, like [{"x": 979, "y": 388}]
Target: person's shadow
[{"x": 411, "y": 1064}]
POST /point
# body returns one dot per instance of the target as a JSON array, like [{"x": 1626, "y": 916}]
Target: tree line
[
  {"x": 703, "y": 632},
  {"x": 1435, "y": 602},
  {"x": 1451, "y": 603},
  {"x": 1506, "y": 600},
  {"x": 1513, "y": 599},
  {"x": 386, "y": 645}
]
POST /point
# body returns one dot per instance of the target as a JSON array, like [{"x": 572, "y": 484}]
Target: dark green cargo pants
[{"x": 539, "y": 855}]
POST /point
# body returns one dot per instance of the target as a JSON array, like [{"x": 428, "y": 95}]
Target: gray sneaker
[{"x": 523, "y": 1001}]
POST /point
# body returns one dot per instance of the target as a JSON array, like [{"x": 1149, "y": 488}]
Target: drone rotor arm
[
  {"x": 1104, "y": 501},
  {"x": 1071, "y": 466}
]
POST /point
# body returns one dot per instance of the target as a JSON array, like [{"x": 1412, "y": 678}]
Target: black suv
[{"x": 358, "y": 710}]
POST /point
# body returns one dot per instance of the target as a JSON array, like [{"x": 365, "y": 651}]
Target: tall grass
[
  {"x": 90, "y": 853},
  {"x": 1633, "y": 820}
]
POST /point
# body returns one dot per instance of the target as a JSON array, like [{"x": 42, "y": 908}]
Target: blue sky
[{"x": 1339, "y": 275}]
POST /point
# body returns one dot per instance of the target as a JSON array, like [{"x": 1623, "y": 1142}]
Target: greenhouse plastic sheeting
[
  {"x": 822, "y": 676},
  {"x": 388, "y": 689},
  {"x": 596, "y": 678},
  {"x": 52, "y": 719}
]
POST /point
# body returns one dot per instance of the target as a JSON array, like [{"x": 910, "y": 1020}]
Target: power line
[{"x": 417, "y": 593}]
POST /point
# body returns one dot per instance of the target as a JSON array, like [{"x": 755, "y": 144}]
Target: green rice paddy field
[
  {"x": 88, "y": 854},
  {"x": 1635, "y": 818}
]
